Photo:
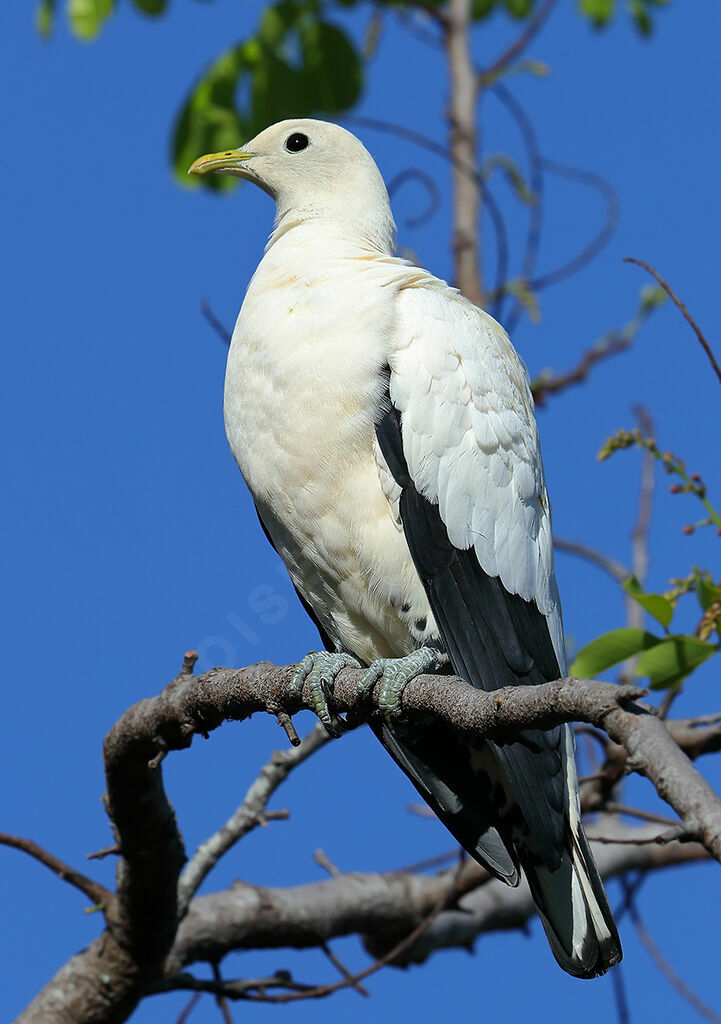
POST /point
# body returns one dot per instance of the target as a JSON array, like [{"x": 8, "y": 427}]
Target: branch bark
[
  {"x": 142, "y": 941},
  {"x": 384, "y": 907},
  {"x": 466, "y": 181}
]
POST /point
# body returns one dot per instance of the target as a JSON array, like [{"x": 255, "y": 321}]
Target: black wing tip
[
  {"x": 601, "y": 957},
  {"x": 600, "y": 948}
]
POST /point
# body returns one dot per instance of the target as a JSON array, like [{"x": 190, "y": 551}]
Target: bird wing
[{"x": 458, "y": 434}]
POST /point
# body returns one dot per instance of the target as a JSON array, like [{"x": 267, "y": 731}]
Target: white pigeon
[{"x": 385, "y": 427}]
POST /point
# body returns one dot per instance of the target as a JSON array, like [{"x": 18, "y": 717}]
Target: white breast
[{"x": 303, "y": 381}]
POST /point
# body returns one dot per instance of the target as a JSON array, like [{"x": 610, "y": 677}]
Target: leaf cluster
[
  {"x": 665, "y": 660},
  {"x": 295, "y": 65}
]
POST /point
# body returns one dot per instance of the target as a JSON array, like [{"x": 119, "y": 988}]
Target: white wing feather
[{"x": 470, "y": 439}]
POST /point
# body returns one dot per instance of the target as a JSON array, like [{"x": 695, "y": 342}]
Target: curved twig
[
  {"x": 616, "y": 570},
  {"x": 535, "y": 212},
  {"x": 95, "y": 892},
  {"x": 434, "y": 194},
  {"x": 533, "y": 27},
  {"x": 594, "y": 247},
  {"x": 684, "y": 312}
]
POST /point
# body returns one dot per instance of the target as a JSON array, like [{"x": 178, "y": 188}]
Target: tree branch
[
  {"x": 95, "y": 892},
  {"x": 616, "y": 570},
  {"x": 250, "y": 814},
  {"x": 142, "y": 940},
  {"x": 385, "y": 907},
  {"x": 199, "y": 704},
  {"x": 533, "y": 27},
  {"x": 682, "y": 308},
  {"x": 462, "y": 143}
]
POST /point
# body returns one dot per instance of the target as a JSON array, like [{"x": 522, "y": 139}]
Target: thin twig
[
  {"x": 635, "y": 812},
  {"x": 639, "y": 536},
  {"x": 105, "y": 852},
  {"x": 95, "y": 892},
  {"x": 668, "y": 701},
  {"x": 619, "y": 994},
  {"x": 237, "y": 988},
  {"x": 548, "y": 383},
  {"x": 431, "y": 862},
  {"x": 635, "y": 613},
  {"x": 533, "y": 27},
  {"x": 249, "y": 815},
  {"x": 343, "y": 970},
  {"x": 676, "y": 834},
  {"x": 325, "y": 990},
  {"x": 535, "y": 209},
  {"x": 667, "y": 970},
  {"x": 220, "y": 1000},
  {"x": 590, "y": 251},
  {"x": 188, "y": 1008},
  {"x": 470, "y": 171},
  {"x": 682, "y": 308},
  {"x": 431, "y": 9},
  {"x": 220, "y": 329},
  {"x": 616, "y": 570},
  {"x": 428, "y": 183},
  {"x": 323, "y": 861}
]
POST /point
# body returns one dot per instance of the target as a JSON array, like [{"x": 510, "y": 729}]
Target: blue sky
[{"x": 129, "y": 536}]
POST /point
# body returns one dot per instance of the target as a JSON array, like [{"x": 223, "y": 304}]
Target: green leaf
[
  {"x": 513, "y": 174},
  {"x": 640, "y": 15},
  {"x": 153, "y": 7},
  {"x": 480, "y": 9},
  {"x": 652, "y": 296},
  {"x": 332, "y": 71},
  {"x": 706, "y": 591},
  {"x": 296, "y": 65},
  {"x": 655, "y": 604},
  {"x": 610, "y": 649},
  {"x": 44, "y": 18},
  {"x": 86, "y": 17},
  {"x": 673, "y": 659},
  {"x": 519, "y": 8},
  {"x": 599, "y": 12},
  {"x": 209, "y": 122}
]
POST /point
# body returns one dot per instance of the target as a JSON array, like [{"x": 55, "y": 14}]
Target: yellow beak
[{"x": 229, "y": 162}]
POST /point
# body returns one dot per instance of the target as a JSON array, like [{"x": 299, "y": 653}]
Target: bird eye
[{"x": 295, "y": 142}]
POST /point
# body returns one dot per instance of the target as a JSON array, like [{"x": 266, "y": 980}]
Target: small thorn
[
  {"x": 286, "y": 722},
  {"x": 155, "y": 762},
  {"x": 99, "y": 854},
  {"x": 324, "y": 862},
  {"x": 189, "y": 660}
]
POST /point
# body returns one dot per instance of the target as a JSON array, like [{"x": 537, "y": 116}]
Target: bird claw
[
  {"x": 394, "y": 675},
  {"x": 319, "y": 669}
]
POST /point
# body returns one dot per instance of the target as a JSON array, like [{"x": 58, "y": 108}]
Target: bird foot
[
  {"x": 319, "y": 669},
  {"x": 394, "y": 675}
]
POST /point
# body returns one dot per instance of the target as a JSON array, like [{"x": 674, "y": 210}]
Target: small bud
[
  {"x": 688, "y": 528},
  {"x": 675, "y": 489}
]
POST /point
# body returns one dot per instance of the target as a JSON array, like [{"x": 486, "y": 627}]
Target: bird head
[{"x": 314, "y": 170}]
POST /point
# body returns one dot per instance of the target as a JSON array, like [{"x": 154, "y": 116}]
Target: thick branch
[
  {"x": 105, "y": 982},
  {"x": 199, "y": 704},
  {"x": 384, "y": 907}
]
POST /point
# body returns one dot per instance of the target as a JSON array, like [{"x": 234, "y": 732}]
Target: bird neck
[{"x": 368, "y": 224}]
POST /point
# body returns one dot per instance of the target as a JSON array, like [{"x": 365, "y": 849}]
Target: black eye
[{"x": 295, "y": 142}]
